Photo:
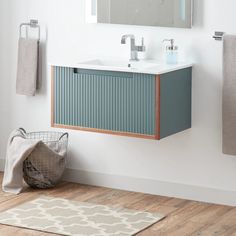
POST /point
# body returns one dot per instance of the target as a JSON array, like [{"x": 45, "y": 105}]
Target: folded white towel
[
  {"x": 18, "y": 150},
  {"x": 229, "y": 95},
  {"x": 27, "y": 70}
]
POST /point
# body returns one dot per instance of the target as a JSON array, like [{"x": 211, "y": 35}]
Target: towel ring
[{"x": 32, "y": 24}]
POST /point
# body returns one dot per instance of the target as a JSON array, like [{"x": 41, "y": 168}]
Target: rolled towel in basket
[
  {"x": 31, "y": 159},
  {"x": 43, "y": 168},
  {"x": 18, "y": 149}
]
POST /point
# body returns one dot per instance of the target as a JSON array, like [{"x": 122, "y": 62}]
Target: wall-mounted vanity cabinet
[{"x": 129, "y": 103}]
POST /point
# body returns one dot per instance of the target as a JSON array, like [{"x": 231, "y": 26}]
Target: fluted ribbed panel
[{"x": 123, "y": 102}]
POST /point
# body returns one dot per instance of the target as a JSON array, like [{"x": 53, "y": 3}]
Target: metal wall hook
[{"x": 218, "y": 35}]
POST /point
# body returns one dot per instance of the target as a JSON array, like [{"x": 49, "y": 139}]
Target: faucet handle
[{"x": 142, "y": 48}]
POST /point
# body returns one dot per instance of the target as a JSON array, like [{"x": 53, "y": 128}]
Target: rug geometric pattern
[{"x": 72, "y": 218}]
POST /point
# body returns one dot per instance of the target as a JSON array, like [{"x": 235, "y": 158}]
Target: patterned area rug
[{"x": 72, "y": 218}]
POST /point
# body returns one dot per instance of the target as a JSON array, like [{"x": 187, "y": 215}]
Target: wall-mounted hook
[{"x": 218, "y": 35}]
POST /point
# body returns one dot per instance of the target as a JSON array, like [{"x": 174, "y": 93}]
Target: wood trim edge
[
  {"x": 134, "y": 135},
  {"x": 158, "y": 106},
  {"x": 52, "y": 96}
]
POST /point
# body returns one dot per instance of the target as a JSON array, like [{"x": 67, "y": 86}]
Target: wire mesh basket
[
  {"x": 44, "y": 167},
  {"x": 54, "y": 140}
]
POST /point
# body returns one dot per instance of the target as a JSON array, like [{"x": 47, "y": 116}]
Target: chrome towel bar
[{"x": 31, "y": 24}]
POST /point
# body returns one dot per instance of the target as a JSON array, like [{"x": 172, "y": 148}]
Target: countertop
[{"x": 143, "y": 66}]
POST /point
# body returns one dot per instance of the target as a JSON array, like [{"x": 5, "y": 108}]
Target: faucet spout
[{"x": 126, "y": 36}]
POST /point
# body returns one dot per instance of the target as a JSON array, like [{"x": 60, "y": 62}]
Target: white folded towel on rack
[
  {"x": 27, "y": 71},
  {"x": 229, "y": 95}
]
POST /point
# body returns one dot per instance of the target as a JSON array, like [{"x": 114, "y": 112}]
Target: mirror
[{"x": 166, "y": 13}]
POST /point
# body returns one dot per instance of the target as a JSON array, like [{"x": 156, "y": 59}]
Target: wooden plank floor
[{"x": 183, "y": 217}]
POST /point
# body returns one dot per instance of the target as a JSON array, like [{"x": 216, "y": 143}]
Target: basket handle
[
  {"x": 23, "y": 130},
  {"x": 65, "y": 134}
]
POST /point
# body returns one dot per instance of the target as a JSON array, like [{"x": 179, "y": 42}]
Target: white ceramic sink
[
  {"x": 142, "y": 66},
  {"x": 127, "y": 65}
]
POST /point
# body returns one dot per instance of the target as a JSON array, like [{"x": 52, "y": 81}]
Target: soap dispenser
[{"x": 171, "y": 52}]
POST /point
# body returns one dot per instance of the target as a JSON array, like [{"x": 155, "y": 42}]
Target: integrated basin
[
  {"x": 119, "y": 64},
  {"x": 143, "y": 66}
]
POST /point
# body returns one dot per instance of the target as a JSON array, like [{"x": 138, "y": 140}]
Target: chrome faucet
[{"x": 133, "y": 48}]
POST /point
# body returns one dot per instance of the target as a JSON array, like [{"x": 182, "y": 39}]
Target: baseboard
[
  {"x": 151, "y": 186},
  {"x": 156, "y": 187}
]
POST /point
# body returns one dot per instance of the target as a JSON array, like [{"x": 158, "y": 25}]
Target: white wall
[
  {"x": 193, "y": 157},
  {"x": 5, "y": 52}
]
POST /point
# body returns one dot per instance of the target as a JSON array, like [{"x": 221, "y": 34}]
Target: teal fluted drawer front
[{"x": 102, "y": 100}]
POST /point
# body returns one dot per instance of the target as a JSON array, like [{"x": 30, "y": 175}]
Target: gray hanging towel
[
  {"x": 27, "y": 70},
  {"x": 229, "y": 95}
]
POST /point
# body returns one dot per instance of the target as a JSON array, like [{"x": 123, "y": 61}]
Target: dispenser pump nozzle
[{"x": 172, "y": 44}]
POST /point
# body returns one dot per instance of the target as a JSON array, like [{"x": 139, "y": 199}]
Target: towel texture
[
  {"x": 229, "y": 95},
  {"x": 48, "y": 162},
  {"x": 18, "y": 150},
  {"x": 27, "y": 69}
]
